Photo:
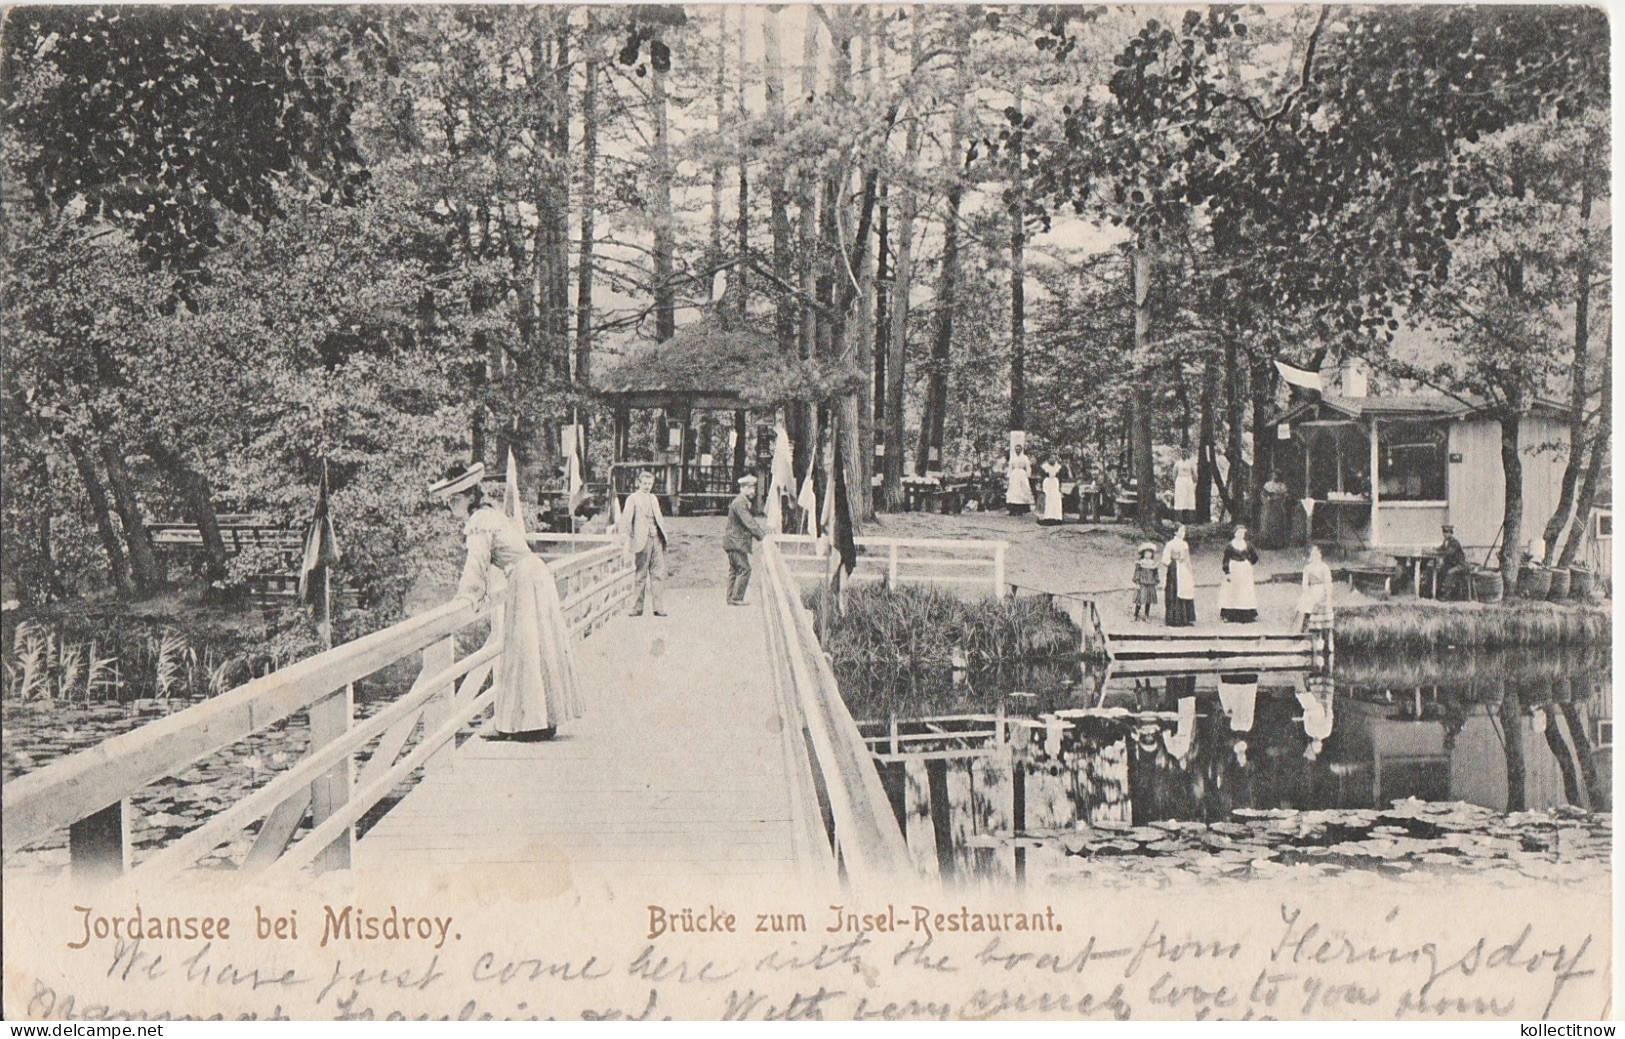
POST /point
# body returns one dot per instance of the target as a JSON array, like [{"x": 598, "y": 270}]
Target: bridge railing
[
  {"x": 551, "y": 546},
  {"x": 90, "y": 793},
  {"x": 861, "y": 834},
  {"x": 964, "y": 562}
]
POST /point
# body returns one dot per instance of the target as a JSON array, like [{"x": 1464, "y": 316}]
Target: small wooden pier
[{"x": 1229, "y": 649}]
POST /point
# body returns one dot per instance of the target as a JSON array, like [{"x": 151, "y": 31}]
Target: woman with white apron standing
[
  {"x": 1179, "y": 606},
  {"x": 1238, "y": 598},
  {"x": 1185, "y": 490},
  {"x": 1018, "y": 492},
  {"x": 1051, "y": 512}
]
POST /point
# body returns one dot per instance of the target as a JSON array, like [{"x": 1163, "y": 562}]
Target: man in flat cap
[
  {"x": 743, "y": 532},
  {"x": 1453, "y": 571}
]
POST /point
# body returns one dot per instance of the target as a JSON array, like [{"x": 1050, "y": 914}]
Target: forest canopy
[{"x": 242, "y": 244}]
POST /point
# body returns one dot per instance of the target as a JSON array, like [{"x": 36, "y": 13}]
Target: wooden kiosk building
[{"x": 1386, "y": 472}]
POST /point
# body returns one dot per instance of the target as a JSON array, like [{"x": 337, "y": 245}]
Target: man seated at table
[{"x": 1452, "y": 567}]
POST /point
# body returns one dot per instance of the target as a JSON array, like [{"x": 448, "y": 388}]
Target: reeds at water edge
[
  {"x": 1417, "y": 626},
  {"x": 923, "y": 627}
]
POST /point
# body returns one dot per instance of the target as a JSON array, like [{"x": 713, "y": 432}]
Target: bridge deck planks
[{"x": 676, "y": 768}]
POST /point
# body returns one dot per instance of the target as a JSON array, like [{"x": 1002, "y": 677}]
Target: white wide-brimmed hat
[{"x": 459, "y": 478}]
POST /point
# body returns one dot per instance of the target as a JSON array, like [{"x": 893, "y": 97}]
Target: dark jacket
[
  {"x": 1451, "y": 554},
  {"x": 742, "y": 526}
]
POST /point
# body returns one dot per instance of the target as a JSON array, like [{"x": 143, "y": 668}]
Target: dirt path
[{"x": 1096, "y": 560}]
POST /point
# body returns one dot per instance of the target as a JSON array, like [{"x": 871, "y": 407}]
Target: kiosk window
[{"x": 1412, "y": 461}]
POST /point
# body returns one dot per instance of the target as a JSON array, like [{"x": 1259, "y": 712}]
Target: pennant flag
[
  {"x": 1299, "y": 377},
  {"x": 574, "y": 467},
  {"x": 321, "y": 549},
  {"x": 826, "y": 506},
  {"x": 781, "y": 479},
  {"x": 775, "y": 508},
  {"x": 512, "y": 503},
  {"x": 842, "y": 531},
  {"x": 807, "y": 500}
]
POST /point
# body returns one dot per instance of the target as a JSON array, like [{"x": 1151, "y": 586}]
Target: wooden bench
[
  {"x": 1370, "y": 575},
  {"x": 186, "y": 536}
]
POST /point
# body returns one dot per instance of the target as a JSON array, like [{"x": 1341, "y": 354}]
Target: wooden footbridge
[{"x": 715, "y": 744}]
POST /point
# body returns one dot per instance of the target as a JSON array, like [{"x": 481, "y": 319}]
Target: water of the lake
[{"x": 1396, "y": 764}]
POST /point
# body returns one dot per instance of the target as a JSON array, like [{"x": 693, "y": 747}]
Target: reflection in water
[{"x": 1507, "y": 732}]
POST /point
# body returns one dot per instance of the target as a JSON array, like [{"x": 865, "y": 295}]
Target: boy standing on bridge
[{"x": 743, "y": 531}]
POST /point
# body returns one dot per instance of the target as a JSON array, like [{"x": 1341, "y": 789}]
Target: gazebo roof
[{"x": 722, "y": 360}]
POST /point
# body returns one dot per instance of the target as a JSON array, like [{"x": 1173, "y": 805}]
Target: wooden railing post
[
  {"x": 438, "y": 657},
  {"x": 329, "y": 720},
  {"x": 1000, "y": 589},
  {"x": 99, "y": 844},
  {"x": 891, "y": 567}
]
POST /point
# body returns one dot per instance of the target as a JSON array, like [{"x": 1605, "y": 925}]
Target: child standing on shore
[{"x": 1145, "y": 582}]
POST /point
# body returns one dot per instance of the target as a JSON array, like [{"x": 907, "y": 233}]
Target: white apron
[
  {"x": 1184, "y": 488},
  {"x": 1238, "y": 591},
  {"x": 1177, "y": 555},
  {"x": 1052, "y": 499},
  {"x": 1019, "y": 489}
]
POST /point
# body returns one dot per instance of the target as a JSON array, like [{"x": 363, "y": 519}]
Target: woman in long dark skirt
[{"x": 1179, "y": 610}]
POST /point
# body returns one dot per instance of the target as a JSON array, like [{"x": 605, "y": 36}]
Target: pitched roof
[
  {"x": 1418, "y": 405},
  {"x": 1421, "y": 406},
  {"x": 722, "y": 357}
]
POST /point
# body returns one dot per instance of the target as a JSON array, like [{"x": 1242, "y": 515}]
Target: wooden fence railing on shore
[
  {"x": 1081, "y": 610},
  {"x": 89, "y": 793},
  {"x": 859, "y": 834},
  {"x": 941, "y": 561}
]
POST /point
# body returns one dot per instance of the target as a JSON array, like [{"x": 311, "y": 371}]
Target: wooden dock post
[
  {"x": 936, "y": 778},
  {"x": 1018, "y": 808}
]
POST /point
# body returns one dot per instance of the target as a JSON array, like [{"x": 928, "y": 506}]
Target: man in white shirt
[{"x": 646, "y": 528}]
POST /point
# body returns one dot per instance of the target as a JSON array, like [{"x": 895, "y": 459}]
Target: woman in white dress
[
  {"x": 535, "y": 678},
  {"x": 1051, "y": 513},
  {"x": 1018, "y": 493},
  {"x": 1315, "y": 601},
  {"x": 1185, "y": 490},
  {"x": 1238, "y": 597}
]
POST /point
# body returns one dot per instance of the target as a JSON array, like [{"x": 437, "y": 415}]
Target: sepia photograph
[{"x": 806, "y": 511}]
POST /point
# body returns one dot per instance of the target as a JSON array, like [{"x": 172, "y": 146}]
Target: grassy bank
[
  {"x": 1416, "y": 626},
  {"x": 919, "y": 650},
  {"x": 922, "y": 627}
]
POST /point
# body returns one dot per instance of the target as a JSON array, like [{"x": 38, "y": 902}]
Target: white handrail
[
  {"x": 866, "y": 833},
  {"x": 944, "y": 561},
  {"x": 95, "y": 782},
  {"x": 81, "y": 784}
]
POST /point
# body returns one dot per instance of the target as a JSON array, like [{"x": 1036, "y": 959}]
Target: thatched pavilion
[{"x": 725, "y": 362}]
